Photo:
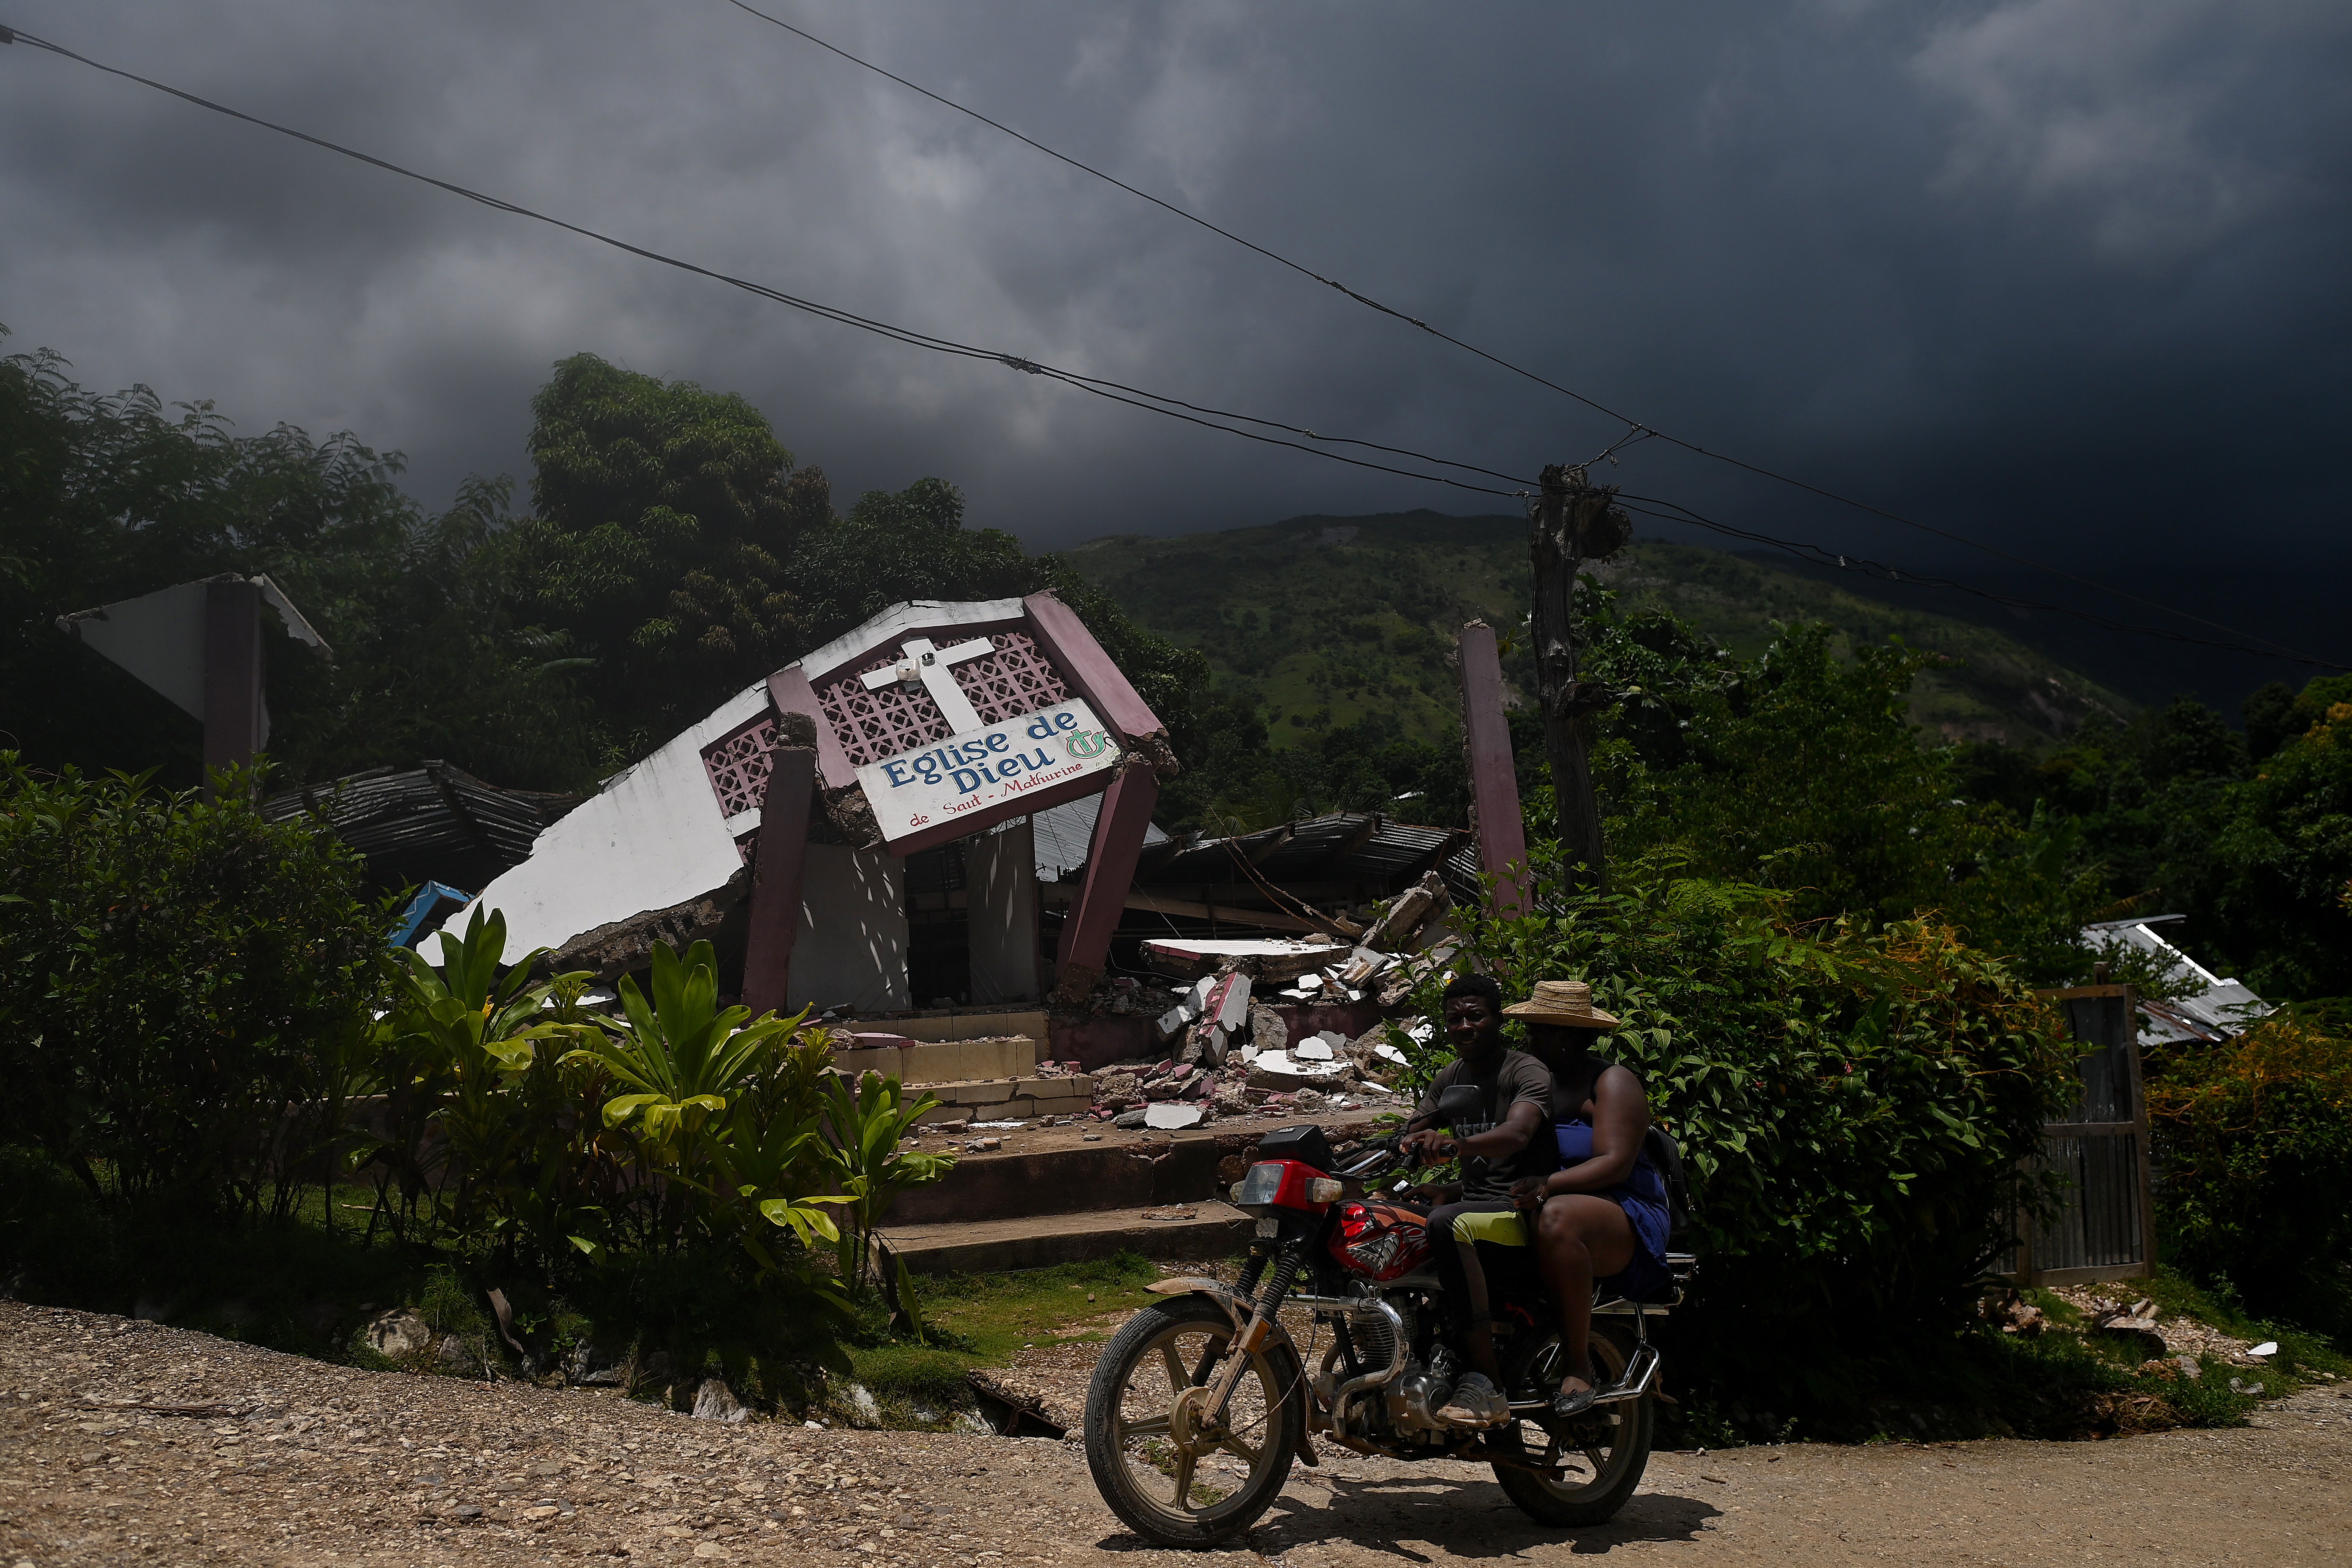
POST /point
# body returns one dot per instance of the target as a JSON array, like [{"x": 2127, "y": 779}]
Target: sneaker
[{"x": 1477, "y": 1404}]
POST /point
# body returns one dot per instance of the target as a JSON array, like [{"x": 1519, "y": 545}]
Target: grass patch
[
  {"x": 308, "y": 1287},
  {"x": 996, "y": 1315},
  {"x": 2301, "y": 1352},
  {"x": 984, "y": 1319}
]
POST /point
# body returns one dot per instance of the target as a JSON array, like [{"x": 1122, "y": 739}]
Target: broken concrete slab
[
  {"x": 1269, "y": 958},
  {"x": 1408, "y": 912},
  {"x": 1169, "y": 1115},
  {"x": 1228, "y": 1005},
  {"x": 1280, "y": 1070},
  {"x": 616, "y": 948}
]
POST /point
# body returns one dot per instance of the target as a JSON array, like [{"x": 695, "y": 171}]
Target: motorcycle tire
[
  {"x": 1159, "y": 1490},
  {"x": 1610, "y": 1441}
]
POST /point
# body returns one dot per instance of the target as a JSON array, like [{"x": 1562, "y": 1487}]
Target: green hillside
[{"x": 1327, "y": 620}]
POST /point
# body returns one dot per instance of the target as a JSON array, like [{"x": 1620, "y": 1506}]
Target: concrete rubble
[{"x": 1246, "y": 1028}]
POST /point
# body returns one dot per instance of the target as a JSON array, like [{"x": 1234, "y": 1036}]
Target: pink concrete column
[
  {"x": 232, "y": 675},
  {"x": 1494, "y": 780},
  {"x": 1112, "y": 856},
  {"x": 775, "y": 920}
]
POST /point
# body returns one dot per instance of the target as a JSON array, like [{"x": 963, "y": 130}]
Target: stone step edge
[
  {"x": 1008, "y": 1099},
  {"x": 1081, "y": 1235}
]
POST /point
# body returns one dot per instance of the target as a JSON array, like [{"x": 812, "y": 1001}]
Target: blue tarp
[{"x": 422, "y": 907}]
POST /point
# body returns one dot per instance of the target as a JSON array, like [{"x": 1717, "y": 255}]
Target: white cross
[{"x": 918, "y": 660}]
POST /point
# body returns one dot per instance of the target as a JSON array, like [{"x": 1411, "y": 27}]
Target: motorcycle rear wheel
[
  {"x": 1604, "y": 1451},
  {"x": 1168, "y": 1491}
]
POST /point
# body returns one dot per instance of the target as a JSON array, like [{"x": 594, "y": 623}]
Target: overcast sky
[{"x": 2066, "y": 275}]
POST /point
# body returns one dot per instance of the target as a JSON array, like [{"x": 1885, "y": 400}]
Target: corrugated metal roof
[
  {"x": 1344, "y": 847},
  {"x": 2222, "y": 1008},
  {"x": 1063, "y": 833},
  {"x": 435, "y": 823}
]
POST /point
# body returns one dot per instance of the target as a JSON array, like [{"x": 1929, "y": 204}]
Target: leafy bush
[
  {"x": 1802, "y": 769},
  {"x": 1856, "y": 1107},
  {"x": 184, "y": 990},
  {"x": 863, "y": 1129},
  {"x": 2255, "y": 1140},
  {"x": 674, "y": 1171}
]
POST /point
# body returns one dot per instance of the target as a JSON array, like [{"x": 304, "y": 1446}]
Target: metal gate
[{"x": 2104, "y": 1227}]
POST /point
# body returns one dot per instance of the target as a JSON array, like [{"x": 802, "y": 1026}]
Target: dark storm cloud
[{"x": 2062, "y": 274}]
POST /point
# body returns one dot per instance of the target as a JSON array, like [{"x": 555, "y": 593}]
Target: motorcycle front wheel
[
  {"x": 1174, "y": 1476},
  {"x": 1602, "y": 1452}
]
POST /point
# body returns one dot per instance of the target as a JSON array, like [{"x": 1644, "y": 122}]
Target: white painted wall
[
  {"x": 1000, "y": 891},
  {"x": 888, "y": 628},
  {"x": 852, "y": 948},
  {"x": 650, "y": 838}
]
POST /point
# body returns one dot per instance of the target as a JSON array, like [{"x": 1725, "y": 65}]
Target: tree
[
  {"x": 2249, "y": 839},
  {"x": 103, "y": 498},
  {"x": 1801, "y": 770},
  {"x": 664, "y": 515},
  {"x": 2284, "y": 854}
]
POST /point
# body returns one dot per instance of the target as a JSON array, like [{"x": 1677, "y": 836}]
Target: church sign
[{"x": 981, "y": 768}]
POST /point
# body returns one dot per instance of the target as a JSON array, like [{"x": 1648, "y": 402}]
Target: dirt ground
[{"x": 129, "y": 1442}]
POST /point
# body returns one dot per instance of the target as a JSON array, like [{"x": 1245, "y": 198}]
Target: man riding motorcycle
[{"x": 1511, "y": 1141}]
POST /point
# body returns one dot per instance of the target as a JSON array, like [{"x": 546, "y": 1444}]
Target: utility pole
[{"x": 1574, "y": 521}]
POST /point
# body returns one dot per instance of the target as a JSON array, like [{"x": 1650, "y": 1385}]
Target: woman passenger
[{"x": 1603, "y": 1215}]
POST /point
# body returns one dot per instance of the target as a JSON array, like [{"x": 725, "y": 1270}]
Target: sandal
[{"x": 1566, "y": 1403}]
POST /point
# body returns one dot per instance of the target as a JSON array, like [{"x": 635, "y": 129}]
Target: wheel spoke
[
  {"x": 1240, "y": 1450},
  {"x": 1184, "y": 1464},
  {"x": 1149, "y": 1427},
  {"x": 1177, "y": 1382},
  {"x": 1593, "y": 1459}
]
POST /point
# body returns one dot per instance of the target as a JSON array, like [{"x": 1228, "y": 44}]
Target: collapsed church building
[
  {"x": 855, "y": 833},
  {"x": 938, "y": 821},
  {"x": 935, "y": 833}
]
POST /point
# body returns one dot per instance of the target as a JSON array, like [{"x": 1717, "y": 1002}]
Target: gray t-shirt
[{"x": 1516, "y": 1077}]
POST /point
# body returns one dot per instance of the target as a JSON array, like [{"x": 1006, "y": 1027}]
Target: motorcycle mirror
[{"x": 1458, "y": 1103}]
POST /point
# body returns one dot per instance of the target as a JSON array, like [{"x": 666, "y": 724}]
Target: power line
[
  {"x": 1636, "y": 427},
  {"x": 1818, "y": 555},
  {"x": 1115, "y": 392}
]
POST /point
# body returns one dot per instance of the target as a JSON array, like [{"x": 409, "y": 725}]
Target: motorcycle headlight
[{"x": 1261, "y": 1186}]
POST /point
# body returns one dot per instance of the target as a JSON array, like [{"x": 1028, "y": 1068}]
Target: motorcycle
[{"x": 1201, "y": 1401}]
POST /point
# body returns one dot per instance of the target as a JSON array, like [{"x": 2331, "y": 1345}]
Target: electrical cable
[
  {"x": 1818, "y": 555},
  {"x": 1111, "y": 391},
  {"x": 1117, "y": 392},
  {"x": 1637, "y": 428}
]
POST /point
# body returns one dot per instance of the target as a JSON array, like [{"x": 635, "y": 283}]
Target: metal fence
[{"x": 2105, "y": 1225}]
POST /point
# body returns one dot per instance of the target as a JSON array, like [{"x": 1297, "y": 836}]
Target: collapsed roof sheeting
[
  {"x": 1344, "y": 847},
  {"x": 433, "y": 822},
  {"x": 2221, "y": 1009},
  {"x": 1063, "y": 833}
]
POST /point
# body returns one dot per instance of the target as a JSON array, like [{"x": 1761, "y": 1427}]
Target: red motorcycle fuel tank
[{"x": 1380, "y": 1241}]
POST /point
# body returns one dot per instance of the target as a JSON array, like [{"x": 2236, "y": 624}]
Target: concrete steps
[
  {"x": 1201, "y": 1230},
  {"x": 1007, "y": 1099},
  {"x": 1121, "y": 1171},
  {"x": 1064, "y": 1199},
  {"x": 931, "y": 1062}
]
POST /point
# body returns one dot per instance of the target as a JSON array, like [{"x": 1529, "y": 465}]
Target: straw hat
[{"x": 1563, "y": 1002}]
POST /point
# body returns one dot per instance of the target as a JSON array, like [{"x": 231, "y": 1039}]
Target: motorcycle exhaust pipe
[
  {"x": 1637, "y": 1379},
  {"x": 1640, "y": 1373},
  {"x": 1400, "y": 1354}
]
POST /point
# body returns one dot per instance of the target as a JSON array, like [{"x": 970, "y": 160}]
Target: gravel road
[{"x": 127, "y": 1442}]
